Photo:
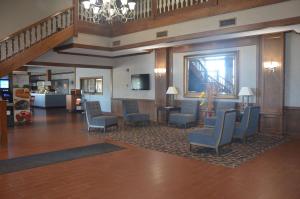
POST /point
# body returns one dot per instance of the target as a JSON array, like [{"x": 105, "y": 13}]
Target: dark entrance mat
[{"x": 43, "y": 159}]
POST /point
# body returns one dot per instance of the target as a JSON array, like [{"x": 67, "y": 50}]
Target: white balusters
[
  {"x": 22, "y": 41},
  {"x": 3, "y": 51},
  {"x": 28, "y": 37},
  {"x": 164, "y": 6},
  {"x": 33, "y": 36},
  {"x": 38, "y": 32},
  {"x": 9, "y": 48},
  {"x": 16, "y": 44}
]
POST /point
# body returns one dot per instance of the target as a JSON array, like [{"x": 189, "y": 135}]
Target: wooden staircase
[{"x": 33, "y": 41}]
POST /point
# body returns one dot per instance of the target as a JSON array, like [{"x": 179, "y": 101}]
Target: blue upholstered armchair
[
  {"x": 95, "y": 117},
  {"x": 131, "y": 113},
  {"x": 188, "y": 114},
  {"x": 249, "y": 123},
  {"x": 218, "y": 105},
  {"x": 218, "y": 136}
]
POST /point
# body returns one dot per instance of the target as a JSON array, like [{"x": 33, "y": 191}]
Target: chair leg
[{"x": 217, "y": 151}]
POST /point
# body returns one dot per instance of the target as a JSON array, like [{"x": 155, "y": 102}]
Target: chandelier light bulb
[
  {"x": 106, "y": 1},
  {"x": 93, "y": 2},
  {"x": 124, "y": 10},
  {"x": 131, "y": 5},
  {"x": 86, "y": 4},
  {"x": 123, "y": 2},
  {"x": 111, "y": 12},
  {"x": 96, "y": 10}
]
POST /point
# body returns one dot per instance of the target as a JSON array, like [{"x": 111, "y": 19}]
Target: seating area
[{"x": 224, "y": 129}]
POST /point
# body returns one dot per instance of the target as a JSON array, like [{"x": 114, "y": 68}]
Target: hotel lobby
[{"x": 150, "y": 99}]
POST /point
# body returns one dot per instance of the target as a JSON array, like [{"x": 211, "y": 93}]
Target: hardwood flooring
[{"x": 136, "y": 173}]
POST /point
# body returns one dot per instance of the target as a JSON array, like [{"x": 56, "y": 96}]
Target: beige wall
[
  {"x": 292, "y": 70},
  {"x": 105, "y": 98},
  {"x": 140, "y": 64},
  {"x": 18, "y": 14}
]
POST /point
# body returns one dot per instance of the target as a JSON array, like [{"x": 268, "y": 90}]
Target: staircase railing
[
  {"x": 147, "y": 8},
  {"x": 164, "y": 6},
  {"x": 221, "y": 83},
  {"x": 31, "y": 35}
]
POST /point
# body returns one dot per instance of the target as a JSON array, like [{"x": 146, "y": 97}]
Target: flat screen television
[
  {"x": 4, "y": 83},
  {"x": 140, "y": 82}
]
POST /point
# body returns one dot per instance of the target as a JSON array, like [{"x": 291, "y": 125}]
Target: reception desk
[{"x": 49, "y": 100}]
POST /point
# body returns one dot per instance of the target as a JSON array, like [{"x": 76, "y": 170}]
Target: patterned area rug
[{"x": 174, "y": 141}]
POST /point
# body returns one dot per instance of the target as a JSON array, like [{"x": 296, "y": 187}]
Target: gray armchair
[
  {"x": 218, "y": 106},
  {"x": 131, "y": 113},
  {"x": 95, "y": 117},
  {"x": 249, "y": 123},
  {"x": 218, "y": 136},
  {"x": 188, "y": 114}
]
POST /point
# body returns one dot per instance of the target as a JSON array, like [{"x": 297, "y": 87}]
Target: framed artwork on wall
[
  {"x": 92, "y": 85},
  {"x": 217, "y": 70}
]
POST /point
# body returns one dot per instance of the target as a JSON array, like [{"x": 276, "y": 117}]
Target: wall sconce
[
  {"x": 160, "y": 71},
  {"x": 271, "y": 65}
]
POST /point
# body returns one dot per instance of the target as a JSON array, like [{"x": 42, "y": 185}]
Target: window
[
  {"x": 92, "y": 85},
  {"x": 211, "y": 70}
]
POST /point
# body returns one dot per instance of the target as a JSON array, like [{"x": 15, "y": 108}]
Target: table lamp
[
  {"x": 172, "y": 91},
  {"x": 245, "y": 92}
]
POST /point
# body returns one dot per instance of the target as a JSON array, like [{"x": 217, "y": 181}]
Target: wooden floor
[{"x": 136, "y": 173}]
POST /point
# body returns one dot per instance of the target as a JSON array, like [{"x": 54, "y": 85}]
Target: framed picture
[
  {"x": 217, "y": 70},
  {"x": 92, "y": 85}
]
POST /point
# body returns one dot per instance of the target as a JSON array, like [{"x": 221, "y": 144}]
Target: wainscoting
[
  {"x": 291, "y": 120},
  {"x": 145, "y": 106}
]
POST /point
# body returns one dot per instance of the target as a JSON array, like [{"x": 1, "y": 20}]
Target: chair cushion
[
  {"x": 104, "y": 120},
  {"x": 204, "y": 136},
  {"x": 94, "y": 108},
  {"x": 238, "y": 132},
  {"x": 137, "y": 117},
  {"x": 181, "y": 118},
  {"x": 210, "y": 121}
]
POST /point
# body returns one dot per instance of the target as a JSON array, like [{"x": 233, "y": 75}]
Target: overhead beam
[{"x": 35, "y": 63}]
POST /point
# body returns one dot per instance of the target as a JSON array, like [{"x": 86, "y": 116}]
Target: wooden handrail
[{"x": 35, "y": 24}]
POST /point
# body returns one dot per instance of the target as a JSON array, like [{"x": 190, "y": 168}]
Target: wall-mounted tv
[
  {"x": 140, "y": 82},
  {"x": 4, "y": 83}
]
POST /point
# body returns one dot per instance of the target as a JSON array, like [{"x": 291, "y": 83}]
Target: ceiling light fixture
[{"x": 110, "y": 10}]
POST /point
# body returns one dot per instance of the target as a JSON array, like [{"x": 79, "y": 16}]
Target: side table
[{"x": 167, "y": 110}]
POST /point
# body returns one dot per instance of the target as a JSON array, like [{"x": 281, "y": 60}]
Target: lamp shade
[
  {"x": 245, "y": 91},
  {"x": 172, "y": 90}
]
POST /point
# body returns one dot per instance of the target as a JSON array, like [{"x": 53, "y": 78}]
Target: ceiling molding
[
  {"x": 38, "y": 63},
  {"x": 102, "y": 56},
  {"x": 61, "y": 50},
  {"x": 85, "y": 46},
  {"x": 222, "y": 44}
]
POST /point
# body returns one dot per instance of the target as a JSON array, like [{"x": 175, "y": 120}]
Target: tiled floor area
[{"x": 136, "y": 173}]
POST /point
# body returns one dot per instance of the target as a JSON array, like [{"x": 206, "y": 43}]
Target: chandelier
[{"x": 110, "y": 10}]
